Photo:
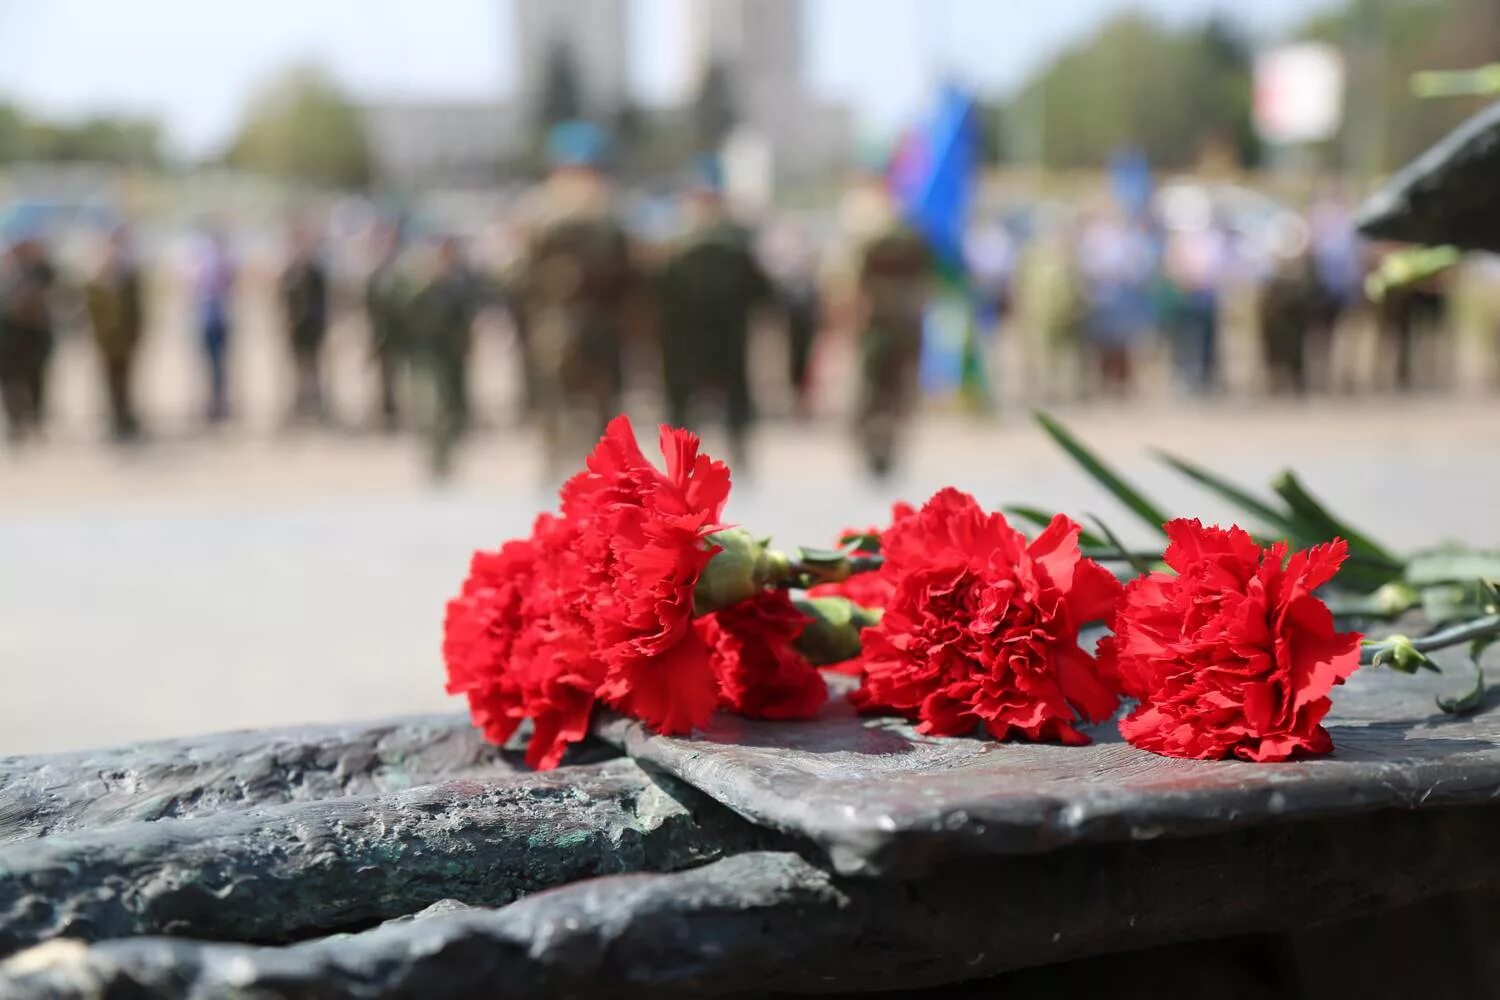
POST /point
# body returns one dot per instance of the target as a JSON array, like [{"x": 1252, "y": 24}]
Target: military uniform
[
  {"x": 893, "y": 282},
  {"x": 304, "y": 297},
  {"x": 442, "y": 319},
  {"x": 113, "y": 300},
  {"x": 387, "y": 304},
  {"x": 710, "y": 288},
  {"x": 26, "y": 281},
  {"x": 575, "y": 284}
]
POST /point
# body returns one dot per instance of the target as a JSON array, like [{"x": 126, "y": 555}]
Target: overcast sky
[{"x": 193, "y": 62}]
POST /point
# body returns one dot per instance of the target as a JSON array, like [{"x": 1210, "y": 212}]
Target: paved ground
[{"x": 255, "y": 578}]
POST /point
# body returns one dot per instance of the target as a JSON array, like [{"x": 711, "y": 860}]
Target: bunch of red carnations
[{"x": 636, "y": 595}]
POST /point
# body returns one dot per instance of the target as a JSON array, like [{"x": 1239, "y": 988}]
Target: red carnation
[
  {"x": 643, "y": 545},
  {"x": 480, "y": 631},
  {"x": 560, "y": 667},
  {"x": 517, "y": 645},
  {"x": 761, "y": 674},
  {"x": 1235, "y": 654},
  {"x": 982, "y": 627}
]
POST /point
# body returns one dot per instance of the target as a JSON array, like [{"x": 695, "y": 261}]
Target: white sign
[{"x": 1299, "y": 93}]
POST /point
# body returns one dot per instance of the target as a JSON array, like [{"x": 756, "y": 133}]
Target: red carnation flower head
[
  {"x": 761, "y": 673},
  {"x": 518, "y": 646},
  {"x": 982, "y": 626},
  {"x": 1234, "y": 654},
  {"x": 643, "y": 546},
  {"x": 480, "y": 631},
  {"x": 556, "y": 656}
]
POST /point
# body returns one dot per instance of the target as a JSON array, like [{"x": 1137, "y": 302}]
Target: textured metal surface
[
  {"x": 762, "y": 922},
  {"x": 1450, "y": 194},
  {"x": 879, "y": 798},
  {"x": 408, "y": 859},
  {"x": 277, "y": 873},
  {"x": 53, "y": 793}
]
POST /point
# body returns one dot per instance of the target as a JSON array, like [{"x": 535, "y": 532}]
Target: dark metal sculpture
[
  {"x": 408, "y": 859},
  {"x": 1450, "y": 195}
]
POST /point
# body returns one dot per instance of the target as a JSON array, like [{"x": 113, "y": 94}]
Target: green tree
[
  {"x": 14, "y": 133},
  {"x": 1384, "y": 42},
  {"x": 1137, "y": 82},
  {"x": 302, "y": 127},
  {"x": 100, "y": 139},
  {"x": 1221, "y": 92}
]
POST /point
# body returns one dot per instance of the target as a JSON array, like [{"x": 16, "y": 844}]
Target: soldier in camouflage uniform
[
  {"x": 441, "y": 325},
  {"x": 574, "y": 286},
  {"x": 26, "y": 338},
  {"x": 709, "y": 290},
  {"x": 387, "y": 303},
  {"x": 113, "y": 300},
  {"x": 889, "y": 272},
  {"x": 303, "y": 287}
]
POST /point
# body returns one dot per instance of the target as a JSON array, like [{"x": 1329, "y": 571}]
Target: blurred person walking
[
  {"x": 214, "y": 274},
  {"x": 442, "y": 314},
  {"x": 114, "y": 301},
  {"x": 791, "y": 260},
  {"x": 1338, "y": 268},
  {"x": 576, "y": 278},
  {"x": 1195, "y": 265},
  {"x": 1048, "y": 303},
  {"x": 1117, "y": 266},
  {"x": 891, "y": 270},
  {"x": 27, "y": 278},
  {"x": 1288, "y": 305},
  {"x": 990, "y": 257},
  {"x": 711, "y": 287},
  {"x": 387, "y": 306},
  {"x": 303, "y": 288}
]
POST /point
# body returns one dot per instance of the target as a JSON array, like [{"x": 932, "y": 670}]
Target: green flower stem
[
  {"x": 806, "y": 573},
  {"x": 1397, "y": 649}
]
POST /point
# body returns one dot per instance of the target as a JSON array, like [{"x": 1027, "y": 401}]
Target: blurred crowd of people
[{"x": 1087, "y": 295}]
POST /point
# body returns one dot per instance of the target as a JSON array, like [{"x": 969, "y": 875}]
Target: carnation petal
[{"x": 673, "y": 693}]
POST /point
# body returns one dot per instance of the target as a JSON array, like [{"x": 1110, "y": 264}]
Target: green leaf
[
  {"x": 1467, "y": 703},
  {"x": 1308, "y": 510},
  {"x": 1040, "y": 518},
  {"x": 1248, "y": 502},
  {"x": 1136, "y": 562},
  {"x": 1449, "y": 602},
  {"x": 1489, "y": 596},
  {"x": 821, "y": 557},
  {"x": 860, "y": 541},
  {"x": 1105, "y": 476},
  {"x": 1389, "y": 601},
  {"x": 1451, "y": 565}
]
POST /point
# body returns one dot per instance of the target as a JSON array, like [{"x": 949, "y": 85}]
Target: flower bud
[
  {"x": 742, "y": 566},
  {"x": 1395, "y": 598},
  {"x": 1399, "y": 653},
  {"x": 831, "y": 634}
]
